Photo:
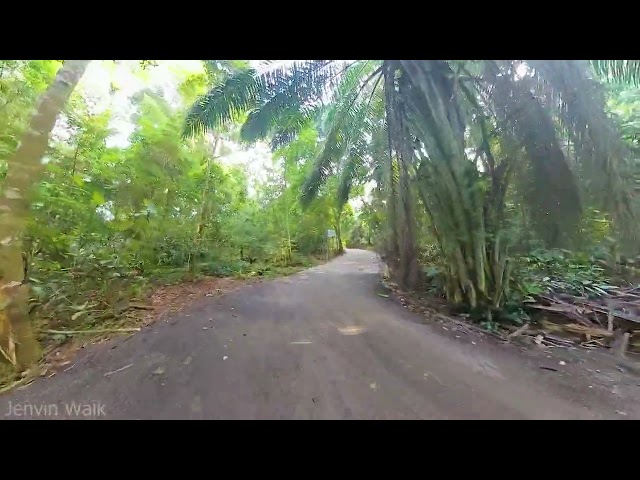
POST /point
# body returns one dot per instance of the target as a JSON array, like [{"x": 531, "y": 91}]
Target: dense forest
[{"x": 484, "y": 183}]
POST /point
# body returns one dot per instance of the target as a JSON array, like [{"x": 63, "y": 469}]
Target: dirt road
[{"x": 321, "y": 344}]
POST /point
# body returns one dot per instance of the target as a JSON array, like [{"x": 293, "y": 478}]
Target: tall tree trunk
[
  {"x": 286, "y": 211},
  {"x": 24, "y": 170},
  {"x": 393, "y": 250},
  {"x": 407, "y": 227},
  {"x": 408, "y": 253},
  {"x": 399, "y": 140}
]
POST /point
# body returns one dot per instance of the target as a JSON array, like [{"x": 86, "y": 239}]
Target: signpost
[{"x": 330, "y": 234}]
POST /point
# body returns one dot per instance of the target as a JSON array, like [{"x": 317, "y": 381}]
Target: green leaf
[
  {"x": 97, "y": 198},
  {"x": 78, "y": 180}
]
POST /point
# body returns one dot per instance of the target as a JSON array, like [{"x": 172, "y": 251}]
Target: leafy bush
[{"x": 563, "y": 271}]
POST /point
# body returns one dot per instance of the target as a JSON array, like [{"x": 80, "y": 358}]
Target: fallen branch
[
  {"x": 9, "y": 358},
  {"x": 559, "y": 340},
  {"x": 28, "y": 377},
  {"x": 141, "y": 306},
  {"x": 565, "y": 309},
  {"x": 519, "y": 331},
  {"x": 590, "y": 331},
  {"x": 108, "y": 374},
  {"x": 15, "y": 384},
  {"x": 621, "y": 344},
  {"x": 80, "y": 332},
  {"x": 555, "y": 342},
  {"x": 603, "y": 310}
]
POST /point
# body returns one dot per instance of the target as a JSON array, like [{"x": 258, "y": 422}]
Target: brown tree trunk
[
  {"x": 408, "y": 253},
  {"x": 17, "y": 342},
  {"x": 392, "y": 246},
  {"x": 399, "y": 140}
]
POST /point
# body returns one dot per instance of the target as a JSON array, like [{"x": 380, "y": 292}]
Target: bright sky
[{"x": 127, "y": 78}]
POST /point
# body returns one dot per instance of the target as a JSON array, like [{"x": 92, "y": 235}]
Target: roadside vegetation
[
  {"x": 108, "y": 224},
  {"x": 505, "y": 190}
]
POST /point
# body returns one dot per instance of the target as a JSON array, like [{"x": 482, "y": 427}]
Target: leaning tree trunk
[{"x": 17, "y": 343}]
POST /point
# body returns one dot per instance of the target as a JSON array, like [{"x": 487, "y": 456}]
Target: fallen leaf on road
[
  {"x": 159, "y": 371},
  {"x": 383, "y": 295},
  {"x": 351, "y": 330}
]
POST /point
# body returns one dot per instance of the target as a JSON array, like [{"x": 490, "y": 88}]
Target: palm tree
[
  {"x": 459, "y": 133},
  {"x": 24, "y": 169}
]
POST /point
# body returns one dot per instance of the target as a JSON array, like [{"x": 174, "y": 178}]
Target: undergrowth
[{"x": 540, "y": 272}]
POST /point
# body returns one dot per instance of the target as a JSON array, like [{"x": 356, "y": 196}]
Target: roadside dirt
[
  {"x": 160, "y": 302},
  {"x": 579, "y": 372}
]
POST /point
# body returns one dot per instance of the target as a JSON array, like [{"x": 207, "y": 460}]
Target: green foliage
[
  {"x": 274, "y": 99},
  {"x": 21, "y": 82},
  {"x": 562, "y": 271},
  {"x": 109, "y": 221}
]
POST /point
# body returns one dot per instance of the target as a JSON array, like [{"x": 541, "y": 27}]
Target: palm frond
[
  {"x": 618, "y": 71},
  {"x": 288, "y": 91},
  {"x": 600, "y": 153},
  {"x": 269, "y": 95},
  {"x": 355, "y": 164},
  {"x": 287, "y": 133},
  {"x": 225, "y": 103},
  {"x": 347, "y": 122},
  {"x": 351, "y": 169},
  {"x": 550, "y": 186}
]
